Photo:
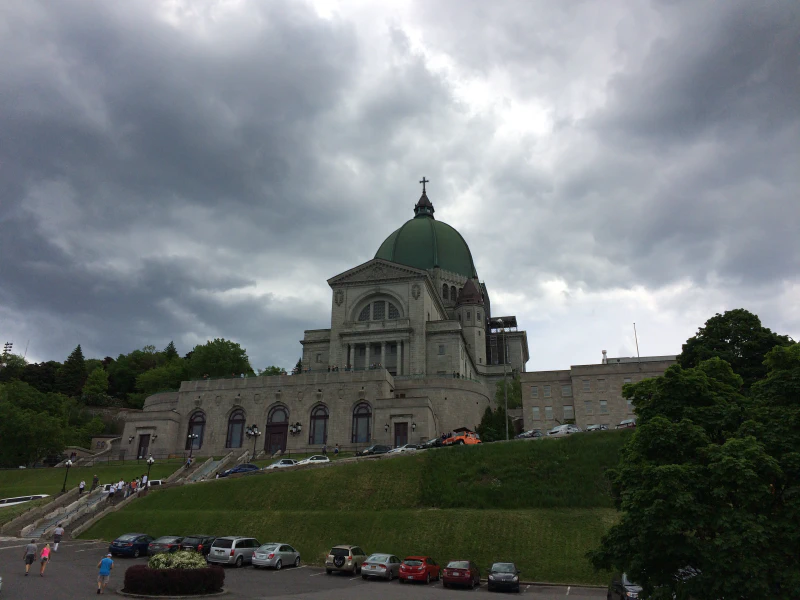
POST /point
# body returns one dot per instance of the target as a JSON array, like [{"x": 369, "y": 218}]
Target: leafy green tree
[
  {"x": 271, "y": 371},
  {"x": 298, "y": 368},
  {"x": 514, "y": 392},
  {"x": 42, "y": 376},
  {"x": 738, "y": 338},
  {"x": 12, "y": 367},
  {"x": 711, "y": 480},
  {"x": 95, "y": 390},
  {"x": 492, "y": 427},
  {"x": 219, "y": 358},
  {"x": 32, "y": 424},
  {"x": 171, "y": 352},
  {"x": 166, "y": 377},
  {"x": 72, "y": 375},
  {"x": 92, "y": 364}
]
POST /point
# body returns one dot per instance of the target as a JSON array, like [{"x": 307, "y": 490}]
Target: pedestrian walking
[
  {"x": 104, "y": 573},
  {"x": 324, "y": 449},
  {"x": 95, "y": 481},
  {"x": 57, "y": 533},
  {"x": 336, "y": 451},
  {"x": 144, "y": 481},
  {"x": 81, "y": 487},
  {"x": 44, "y": 557},
  {"x": 29, "y": 555},
  {"x": 111, "y": 490}
]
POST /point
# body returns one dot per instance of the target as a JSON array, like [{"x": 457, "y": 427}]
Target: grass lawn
[
  {"x": 18, "y": 482},
  {"x": 547, "y": 544},
  {"x": 12, "y": 512}
]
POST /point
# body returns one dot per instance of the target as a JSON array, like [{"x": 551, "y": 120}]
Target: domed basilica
[{"x": 413, "y": 350}]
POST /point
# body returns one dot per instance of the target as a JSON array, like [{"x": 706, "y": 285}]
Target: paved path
[{"x": 72, "y": 572}]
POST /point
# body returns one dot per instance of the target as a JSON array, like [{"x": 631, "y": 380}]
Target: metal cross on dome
[{"x": 423, "y": 181}]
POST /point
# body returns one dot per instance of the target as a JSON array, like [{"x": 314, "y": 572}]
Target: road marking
[
  {"x": 23, "y": 545},
  {"x": 568, "y": 589},
  {"x": 356, "y": 577},
  {"x": 526, "y": 588},
  {"x": 317, "y": 574}
]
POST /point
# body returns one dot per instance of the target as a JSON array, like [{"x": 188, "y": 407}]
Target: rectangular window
[
  {"x": 478, "y": 316},
  {"x": 626, "y": 380},
  {"x": 547, "y": 391},
  {"x": 569, "y": 413},
  {"x": 441, "y": 348},
  {"x": 548, "y": 413},
  {"x": 587, "y": 386},
  {"x": 603, "y": 407},
  {"x": 536, "y": 415},
  {"x": 566, "y": 391},
  {"x": 319, "y": 357},
  {"x": 601, "y": 385},
  {"x": 535, "y": 392},
  {"x": 469, "y": 315},
  {"x": 589, "y": 407},
  {"x": 630, "y": 406}
]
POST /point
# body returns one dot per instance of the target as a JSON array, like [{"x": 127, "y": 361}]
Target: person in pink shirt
[{"x": 44, "y": 557}]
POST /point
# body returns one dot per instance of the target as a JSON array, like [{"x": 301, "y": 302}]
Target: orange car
[{"x": 461, "y": 436}]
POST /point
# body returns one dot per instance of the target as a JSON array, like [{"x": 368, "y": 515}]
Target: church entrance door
[
  {"x": 276, "y": 437},
  {"x": 144, "y": 445},
  {"x": 400, "y": 434}
]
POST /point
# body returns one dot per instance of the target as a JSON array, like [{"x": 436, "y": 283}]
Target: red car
[
  {"x": 461, "y": 572},
  {"x": 419, "y": 568}
]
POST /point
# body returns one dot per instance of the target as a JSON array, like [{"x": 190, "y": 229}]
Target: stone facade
[{"x": 585, "y": 394}]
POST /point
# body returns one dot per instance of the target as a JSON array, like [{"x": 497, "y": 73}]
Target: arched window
[
  {"x": 444, "y": 291},
  {"x": 378, "y": 310},
  {"x": 362, "y": 416},
  {"x": 453, "y": 292},
  {"x": 318, "y": 432},
  {"x": 364, "y": 316},
  {"x": 197, "y": 426},
  {"x": 235, "y": 429},
  {"x": 278, "y": 414},
  {"x": 393, "y": 312}
]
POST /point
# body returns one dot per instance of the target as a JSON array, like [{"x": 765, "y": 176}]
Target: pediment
[{"x": 377, "y": 270}]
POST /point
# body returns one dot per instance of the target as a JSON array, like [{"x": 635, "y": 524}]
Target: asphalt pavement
[{"x": 72, "y": 574}]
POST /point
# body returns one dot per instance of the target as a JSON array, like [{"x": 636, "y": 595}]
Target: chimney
[{"x": 605, "y": 357}]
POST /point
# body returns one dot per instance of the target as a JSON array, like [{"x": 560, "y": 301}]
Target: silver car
[
  {"x": 282, "y": 464},
  {"x": 276, "y": 555},
  {"x": 563, "y": 430},
  {"x": 232, "y": 550},
  {"x": 385, "y": 566}
]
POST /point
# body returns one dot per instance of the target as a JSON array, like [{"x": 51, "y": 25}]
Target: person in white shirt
[
  {"x": 144, "y": 481},
  {"x": 57, "y": 533}
]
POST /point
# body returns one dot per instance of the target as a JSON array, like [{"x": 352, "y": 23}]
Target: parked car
[
  {"x": 627, "y": 423},
  {"x": 345, "y": 558},
  {"x": 504, "y": 576},
  {"x": 462, "y": 436},
  {"x": 385, "y": 566},
  {"x": 282, "y": 464},
  {"x": 530, "y": 434},
  {"x": 405, "y": 448},
  {"x": 166, "y": 544},
  {"x": 432, "y": 443},
  {"x": 563, "y": 430},
  {"x": 596, "y": 427},
  {"x": 375, "y": 449},
  {"x": 419, "y": 568},
  {"x": 155, "y": 482},
  {"x": 130, "y": 544},
  {"x": 276, "y": 555},
  {"x": 232, "y": 550},
  {"x": 243, "y": 468},
  {"x": 317, "y": 459},
  {"x": 622, "y": 588},
  {"x": 198, "y": 542},
  {"x": 461, "y": 572}
]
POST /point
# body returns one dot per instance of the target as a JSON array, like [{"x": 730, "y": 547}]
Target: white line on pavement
[
  {"x": 526, "y": 588},
  {"x": 568, "y": 589},
  {"x": 354, "y": 578},
  {"x": 317, "y": 574}
]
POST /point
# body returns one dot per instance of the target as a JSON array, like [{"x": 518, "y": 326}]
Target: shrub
[
  {"x": 141, "y": 579},
  {"x": 186, "y": 559}
]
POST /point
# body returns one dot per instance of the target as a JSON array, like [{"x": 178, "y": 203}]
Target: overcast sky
[{"x": 184, "y": 170}]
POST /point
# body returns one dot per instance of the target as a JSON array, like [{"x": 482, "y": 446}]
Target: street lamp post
[
  {"x": 253, "y": 432},
  {"x": 150, "y": 462},
  {"x": 68, "y": 464},
  {"x": 192, "y": 437},
  {"x": 505, "y": 383}
]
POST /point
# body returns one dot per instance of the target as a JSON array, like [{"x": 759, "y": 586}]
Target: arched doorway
[{"x": 277, "y": 430}]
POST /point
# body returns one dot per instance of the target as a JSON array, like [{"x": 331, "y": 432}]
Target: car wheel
[
  {"x": 445, "y": 584},
  {"x": 428, "y": 578},
  {"x": 390, "y": 576},
  {"x": 460, "y": 442},
  {"x": 239, "y": 561},
  {"x": 278, "y": 565},
  {"x": 364, "y": 577},
  {"x": 297, "y": 562},
  {"x": 136, "y": 553}
]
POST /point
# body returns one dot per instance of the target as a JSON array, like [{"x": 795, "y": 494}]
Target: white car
[
  {"x": 563, "y": 430},
  {"x": 317, "y": 459},
  {"x": 405, "y": 448},
  {"x": 154, "y": 482},
  {"x": 282, "y": 464}
]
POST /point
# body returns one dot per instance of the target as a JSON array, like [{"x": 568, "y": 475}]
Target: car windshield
[
  {"x": 379, "y": 558},
  {"x": 504, "y": 568},
  {"x": 626, "y": 581},
  {"x": 268, "y": 547},
  {"x": 128, "y": 537},
  {"x": 192, "y": 540},
  {"x": 223, "y": 543},
  {"x": 458, "y": 564},
  {"x": 412, "y": 562},
  {"x": 167, "y": 539},
  {"x": 340, "y": 552}
]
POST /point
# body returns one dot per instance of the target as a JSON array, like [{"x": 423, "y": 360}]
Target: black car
[
  {"x": 375, "y": 449},
  {"x": 198, "y": 543},
  {"x": 622, "y": 588},
  {"x": 433, "y": 443},
  {"x": 166, "y": 544},
  {"x": 504, "y": 576},
  {"x": 243, "y": 468}
]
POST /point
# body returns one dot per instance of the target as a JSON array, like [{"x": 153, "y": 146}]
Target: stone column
[
  {"x": 351, "y": 354},
  {"x": 383, "y": 354},
  {"x": 399, "y": 357},
  {"x": 366, "y": 358}
]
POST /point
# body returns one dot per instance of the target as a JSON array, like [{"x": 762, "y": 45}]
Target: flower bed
[{"x": 179, "y": 574}]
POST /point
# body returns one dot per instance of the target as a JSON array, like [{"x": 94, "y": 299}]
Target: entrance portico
[{"x": 391, "y": 355}]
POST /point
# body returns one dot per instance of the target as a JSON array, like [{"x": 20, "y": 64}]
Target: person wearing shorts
[
  {"x": 57, "y": 533},
  {"x": 104, "y": 573},
  {"x": 30, "y": 555},
  {"x": 44, "y": 557}
]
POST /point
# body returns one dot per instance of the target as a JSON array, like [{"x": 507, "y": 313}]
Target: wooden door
[
  {"x": 276, "y": 438},
  {"x": 400, "y": 434},
  {"x": 144, "y": 444}
]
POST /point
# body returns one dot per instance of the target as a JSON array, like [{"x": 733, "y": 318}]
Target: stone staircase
[{"x": 65, "y": 515}]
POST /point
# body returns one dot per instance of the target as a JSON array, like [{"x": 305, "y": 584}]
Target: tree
[
  {"x": 271, "y": 371},
  {"x": 219, "y": 358},
  {"x": 514, "y": 393},
  {"x": 492, "y": 427},
  {"x": 95, "y": 390},
  {"x": 33, "y": 424},
  {"x": 11, "y": 367},
  {"x": 711, "y": 480},
  {"x": 170, "y": 352},
  {"x": 72, "y": 375},
  {"x": 298, "y": 368},
  {"x": 166, "y": 377},
  {"x": 738, "y": 338},
  {"x": 42, "y": 376}
]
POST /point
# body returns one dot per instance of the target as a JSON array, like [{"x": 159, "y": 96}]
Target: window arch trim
[
  {"x": 197, "y": 424},
  {"x": 361, "y": 430},
  {"x": 276, "y": 409},
  {"x": 318, "y": 425},
  {"x": 235, "y": 432}
]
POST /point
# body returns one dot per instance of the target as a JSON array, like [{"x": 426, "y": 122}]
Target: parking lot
[{"x": 72, "y": 574}]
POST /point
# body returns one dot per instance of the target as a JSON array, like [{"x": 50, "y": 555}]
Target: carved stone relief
[
  {"x": 338, "y": 297},
  {"x": 415, "y": 291}
]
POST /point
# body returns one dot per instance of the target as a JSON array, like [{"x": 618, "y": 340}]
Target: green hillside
[{"x": 542, "y": 503}]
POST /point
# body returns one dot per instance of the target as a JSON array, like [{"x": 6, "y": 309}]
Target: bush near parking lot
[
  {"x": 185, "y": 559},
  {"x": 141, "y": 579}
]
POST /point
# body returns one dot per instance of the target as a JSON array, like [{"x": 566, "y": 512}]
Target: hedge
[{"x": 140, "y": 579}]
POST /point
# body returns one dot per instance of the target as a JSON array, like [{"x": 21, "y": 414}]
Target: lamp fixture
[
  {"x": 413, "y": 426},
  {"x": 130, "y": 440},
  {"x": 155, "y": 435},
  {"x": 386, "y": 428},
  {"x": 296, "y": 428}
]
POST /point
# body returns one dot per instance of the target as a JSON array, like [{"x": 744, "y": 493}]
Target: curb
[{"x": 214, "y": 595}]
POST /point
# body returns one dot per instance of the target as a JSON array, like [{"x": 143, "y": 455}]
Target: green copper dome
[{"x": 425, "y": 243}]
